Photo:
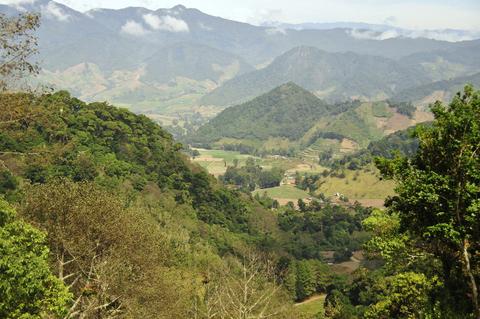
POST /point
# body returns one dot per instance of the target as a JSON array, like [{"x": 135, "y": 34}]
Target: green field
[
  {"x": 312, "y": 306},
  {"x": 216, "y": 161},
  {"x": 357, "y": 185},
  {"x": 286, "y": 192}
]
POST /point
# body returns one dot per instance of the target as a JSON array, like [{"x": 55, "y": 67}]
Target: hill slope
[
  {"x": 289, "y": 120},
  {"x": 275, "y": 114}
]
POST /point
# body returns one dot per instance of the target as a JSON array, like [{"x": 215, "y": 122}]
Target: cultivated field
[{"x": 364, "y": 186}]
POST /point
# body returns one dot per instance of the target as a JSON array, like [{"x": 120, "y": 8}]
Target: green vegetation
[
  {"x": 114, "y": 194},
  {"x": 285, "y": 107},
  {"x": 251, "y": 175},
  {"x": 402, "y": 142},
  {"x": 292, "y": 122},
  {"x": 103, "y": 216},
  {"x": 428, "y": 237},
  {"x": 323, "y": 227},
  {"x": 28, "y": 289},
  {"x": 285, "y": 192},
  {"x": 312, "y": 307}
]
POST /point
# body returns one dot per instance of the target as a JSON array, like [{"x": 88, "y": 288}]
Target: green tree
[
  {"x": 27, "y": 287},
  {"x": 403, "y": 296},
  {"x": 305, "y": 280},
  {"x": 438, "y": 201}
]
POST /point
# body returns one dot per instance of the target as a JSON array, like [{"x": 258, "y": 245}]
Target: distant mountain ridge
[
  {"x": 125, "y": 49},
  {"x": 336, "y": 77}
]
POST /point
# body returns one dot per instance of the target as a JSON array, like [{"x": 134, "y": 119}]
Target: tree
[
  {"x": 27, "y": 287},
  {"x": 306, "y": 285},
  {"x": 111, "y": 258},
  {"x": 17, "y": 45},
  {"x": 403, "y": 296},
  {"x": 250, "y": 290},
  {"x": 438, "y": 201}
]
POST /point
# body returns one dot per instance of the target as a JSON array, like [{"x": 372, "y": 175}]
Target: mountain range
[
  {"x": 160, "y": 61},
  {"x": 335, "y": 76}
]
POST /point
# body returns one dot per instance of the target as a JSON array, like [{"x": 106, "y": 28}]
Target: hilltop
[
  {"x": 274, "y": 114},
  {"x": 290, "y": 119}
]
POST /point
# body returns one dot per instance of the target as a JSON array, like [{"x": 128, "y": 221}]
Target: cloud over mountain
[
  {"x": 134, "y": 28},
  {"x": 165, "y": 23},
  {"x": 53, "y": 11}
]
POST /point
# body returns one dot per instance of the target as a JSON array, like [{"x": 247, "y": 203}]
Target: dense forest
[{"x": 103, "y": 215}]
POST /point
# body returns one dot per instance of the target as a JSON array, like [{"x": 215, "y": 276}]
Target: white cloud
[
  {"x": 372, "y": 35},
  {"x": 152, "y": 20},
  {"x": 134, "y": 28},
  {"x": 448, "y": 35},
  {"x": 166, "y": 23},
  {"x": 18, "y": 3},
  {"x": 276, "y": 31},
  {"x": 53, "y": 11},
  {"x": 442, "y": 35}
]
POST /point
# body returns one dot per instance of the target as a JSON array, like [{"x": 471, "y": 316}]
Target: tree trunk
[{"x": 473, "y": 283}]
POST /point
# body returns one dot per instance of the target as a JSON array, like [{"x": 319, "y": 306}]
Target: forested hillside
[
  {"x": 114, "y": 194},
  {"x": 441, "y": 90},
  {"x": 291, "y": 120},
  {"x": 276, "y": 114}
]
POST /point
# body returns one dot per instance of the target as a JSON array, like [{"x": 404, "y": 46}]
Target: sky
[{"x": 419, "y": 14}]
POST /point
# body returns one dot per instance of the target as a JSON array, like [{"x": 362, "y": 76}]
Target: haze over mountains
[{"x": 165, "y": 60}]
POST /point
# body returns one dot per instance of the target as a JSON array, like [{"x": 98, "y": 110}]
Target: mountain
[
  {"x": 193, "y": 61},
  {"x": 337, "y": 76},
  {"x": 290, "y": 120},
  {"x": 457, "y": 61},
  {"x": 274, "y": 114},
  {"x": 62, "y": 25}
]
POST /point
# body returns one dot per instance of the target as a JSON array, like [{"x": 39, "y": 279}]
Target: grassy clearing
[
  {"x": 364, "y": 186},
  {"x": 357, "y": 185},
  {"x": 285, "y": 192},
  {"x": 312, "y": 306}
]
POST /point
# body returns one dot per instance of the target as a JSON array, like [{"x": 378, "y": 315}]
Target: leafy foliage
[
  {"x": 438, "y": 190},
  {"x": 251, "y": 175},
  {"x": 322, "y": 227},
  {"x": 427, "y": 240},
  {"x": 28, "y": 289}
]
